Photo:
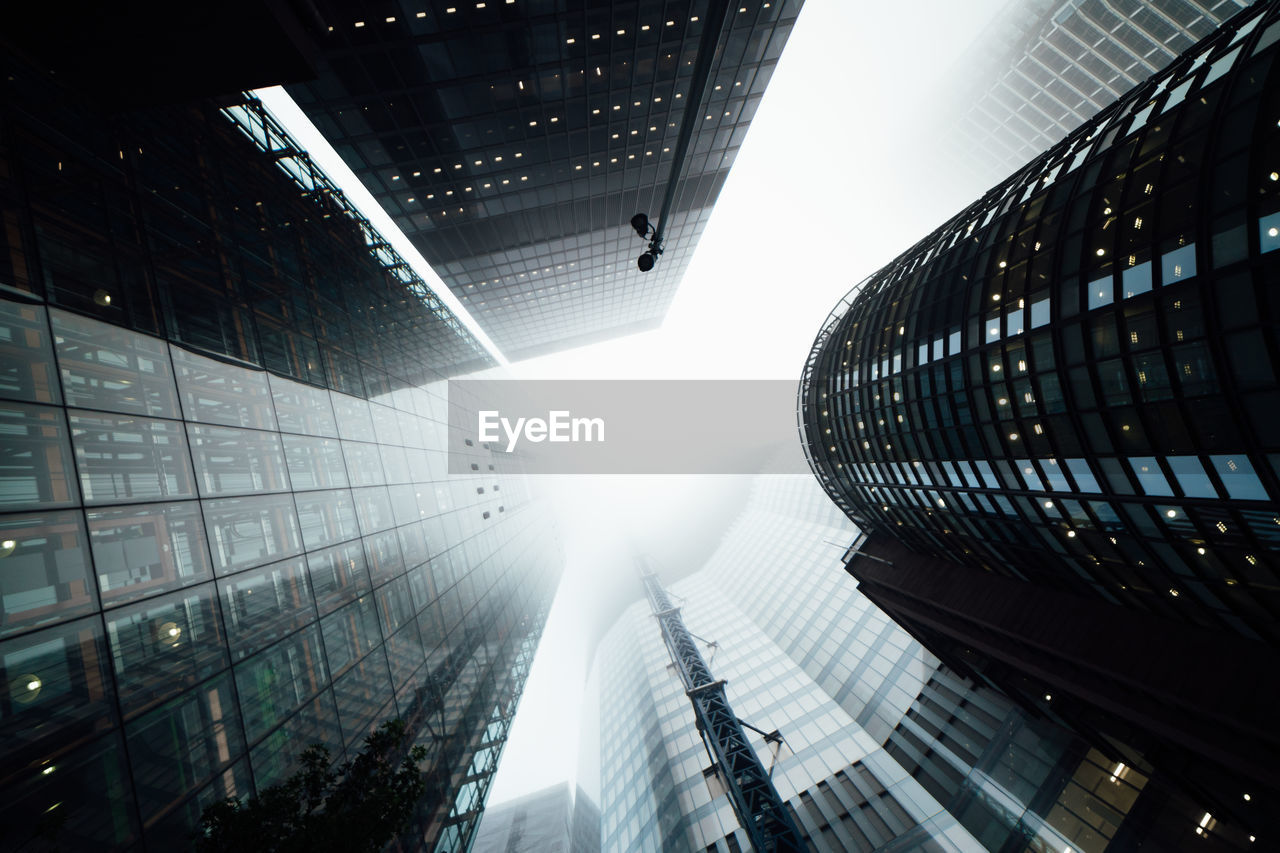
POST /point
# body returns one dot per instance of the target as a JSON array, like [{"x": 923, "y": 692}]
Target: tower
[{"x": 1048, "y": 419}]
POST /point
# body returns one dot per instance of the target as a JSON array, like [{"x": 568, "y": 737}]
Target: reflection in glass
[
  {"x": 1149, "y": 475},
  {"x": 145, "y": 550},
  {"x": 326, "y": 517},
  {"x": 113, "y": 369},
  {"x": 1188, "y": 471},
  {"x": 262, "y": 605},
  {"x": 162, "y": 646},
  {"x": 354, "y": 422},
  {"x": 44, "y": 570},
  {"x": 373, "y": 506},
  {"x": 1178, "y": 264},
  {"x": 364, "y": 697},
  {"x": 217, "y": 393},
  {"x": 237, "y": 461},
  {"x": 302, "y": 408},
  {"x": 1238, "y": 477},
  {"x": 27, "y": 370},
  {"x": 247, "y": 532},
  {"x": 314, "y": 463},
  {"x": 1101, "y": 292},
  {"x": 276, "y": 756},
  {"x": 55, "y": 686},
  {"x": 1269, "y": 233},
  {"x": 36, "y": 450},
  {"x": 93, "y": 777},
  {"x": 176, "y": 748},
  {"x": 1136, "y": 279},
  {"x": 276, "y": 681},
  {"x": 383, "y": 552},
  {"x": 364, "y": 463},
  {"x": 124, "y": 459},
  {"x": 338, "y": 575}
]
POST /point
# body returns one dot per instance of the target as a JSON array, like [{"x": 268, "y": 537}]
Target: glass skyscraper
[
  {"x": 886, "y": 747},
  {"x": 1044, "y": 67},
  {"x": 226, "y": 527},
  {"x": 1053, "y": 420},
  {"x": 554, "y": 820},
  {"x": 513, "y": 142}
]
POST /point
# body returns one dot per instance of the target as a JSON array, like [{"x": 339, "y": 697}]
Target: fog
[{"x": 839, "y": 173}]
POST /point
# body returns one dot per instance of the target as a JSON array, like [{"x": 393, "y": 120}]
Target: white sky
[
  {"x": 831, "y": 184},
  {"x": 834, "y": 180}
]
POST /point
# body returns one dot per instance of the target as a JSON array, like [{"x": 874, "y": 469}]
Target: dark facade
[
  {"x": 1053, "y": 420},
  {"x": 512, "y": 142},
  {"x": 227, "y": 527}
]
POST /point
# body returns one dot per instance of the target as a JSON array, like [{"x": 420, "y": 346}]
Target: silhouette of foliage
[{"x": 356, "y": 806}]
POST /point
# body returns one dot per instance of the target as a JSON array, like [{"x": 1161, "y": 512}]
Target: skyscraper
[
  {"x": 513, "y": 141},
  {"x": 228, "y": 531},
  {"x": 1044, "y": 67},
  {"x": 884, "y": 743},
  {"x": 554, "y": 820},
  {"x": 1053, "y": 420}
]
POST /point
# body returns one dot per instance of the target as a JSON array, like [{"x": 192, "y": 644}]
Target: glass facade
[
  {"x": 1082, "y": 354},
  {"x": 227, "y": 528},
  {"x": 554, "y": 820},
  {"x": 1066, "y": 394},
  {"x": 887, "y": 748},
  {"x": 1035, "y": 76},
  {"x": 513, "y": 142}
]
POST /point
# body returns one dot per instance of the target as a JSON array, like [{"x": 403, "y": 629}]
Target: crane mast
[{"x": 760, "y": 810}]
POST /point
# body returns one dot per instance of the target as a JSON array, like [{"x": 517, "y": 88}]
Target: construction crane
[{"x": 755, "y": 801}]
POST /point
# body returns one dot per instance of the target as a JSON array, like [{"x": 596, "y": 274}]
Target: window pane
[
  {"x": 113, "y": 369},
  {"x": 1039, "y": 313},
  {"x": 44, "y": 570},
  {"x": 1149, "y": 475},
  {"x": 1238, "y": 477},
  {"x": 145, "y": 550},
  {"x": 364, "y": 463},
  {"x": 217, "y": 393},
  {"x": 237, "y": 461},
  {"x": 277, "y": 755},
  {"x": 1195, "y": 483},
  {"x": 1178, "y": 264},
  {"x": 247, "y": 532},
  {"x": 162, "y": 646},
  {"x": 326, "y": 517},
  {"x": 94, "y": 778},
  {"x": 179, "y": 746},
  {"x": 56, "y": 683},
  {"x": 262, "y": 605},
  {"x": 27, "y": 370},
  {"x": 1269, "y": 233},
  {"x": 1135, "y": 280},
  {"x": 37, "y": 470},
  {"x": 354, "y": 423},
  {"x": 302, "y": 408},
  {"x": 314, "y": 463},
  {"x": 1084, "y": 478},
  {"x": 124, "y": 459},
  {"x": 1101, "y": 292},
  {"x": 338, "y": 575},
  {"x": 275, "y": 682}
]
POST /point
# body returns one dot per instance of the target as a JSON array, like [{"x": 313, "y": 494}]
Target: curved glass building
[{"x": 1055, "y": 421}]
